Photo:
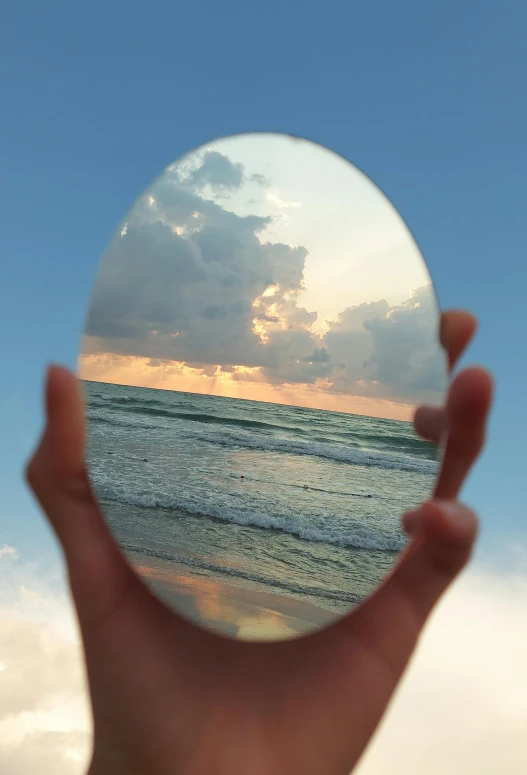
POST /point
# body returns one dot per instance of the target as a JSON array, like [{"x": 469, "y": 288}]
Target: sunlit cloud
[
  {"x": 271, "y": 291},
  {"x": 260, "y": 330},
  {"x": 276, "y": 200}
]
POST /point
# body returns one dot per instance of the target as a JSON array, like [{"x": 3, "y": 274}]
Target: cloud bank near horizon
[
  {"x": 461, "y": 706},
  {"x": 188, "y": 281}
]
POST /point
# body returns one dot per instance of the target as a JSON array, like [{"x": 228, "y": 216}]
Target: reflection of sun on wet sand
[{"x": 249, "y": 614}]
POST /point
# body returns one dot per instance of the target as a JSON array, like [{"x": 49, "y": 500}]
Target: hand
[{"x": 168, "y": 697}]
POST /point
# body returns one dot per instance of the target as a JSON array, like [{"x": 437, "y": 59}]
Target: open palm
[{"x": 168, "y": 697}]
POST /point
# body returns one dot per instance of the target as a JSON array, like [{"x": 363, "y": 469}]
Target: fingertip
[
  {"x": 443, "y": 534},
  {"x": 456, "y": 329},
  {"x": 471, "y": 390},
  {"x": 62, "y": 388},
  {"x": 450, "y": 521},
  {"x": 429, "y": 422},
  {"x": 456, "y": 323},
  {"x": 446, "y": 525},
  {"x": 58, "y": 375},
  {"x": 411, "y": 522},
  {"x": 421, "y": 414},
  {"x": 65, "y": 418},
  {"x": 476, "y": 372}
]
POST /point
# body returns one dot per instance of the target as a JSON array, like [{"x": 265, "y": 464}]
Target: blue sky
[{"x": 97, "y": 99}]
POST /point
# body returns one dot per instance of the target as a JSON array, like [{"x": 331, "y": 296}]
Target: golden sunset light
[{"x": 131, "y": 370}]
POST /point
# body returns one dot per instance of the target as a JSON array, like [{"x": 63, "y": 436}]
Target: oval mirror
[{"x": 261, "y": 329}]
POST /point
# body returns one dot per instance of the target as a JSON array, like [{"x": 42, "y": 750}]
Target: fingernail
[
  {"x": 411, "y": 522},
  {"x": 455, "y": 514}
]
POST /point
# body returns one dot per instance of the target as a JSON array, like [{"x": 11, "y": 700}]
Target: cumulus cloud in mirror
[{"x": 267, "y": 267}]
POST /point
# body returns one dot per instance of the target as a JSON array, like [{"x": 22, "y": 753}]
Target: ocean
[{"x": 293, "y": 501}]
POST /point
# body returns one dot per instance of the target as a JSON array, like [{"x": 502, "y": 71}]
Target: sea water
[{"x": 291, "y": 500}]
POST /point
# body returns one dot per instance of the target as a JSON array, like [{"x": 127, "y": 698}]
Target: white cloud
[
  {"x": 187, "y": 266},
  {"x": 282, "y": 204},
  {"x": 8, "y": 551},
  {"x": 461, "y": 708},
  {"x": 44, "y": 719}
]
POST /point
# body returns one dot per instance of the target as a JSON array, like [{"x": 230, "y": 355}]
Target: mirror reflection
[{"x": 261, "y": 329}]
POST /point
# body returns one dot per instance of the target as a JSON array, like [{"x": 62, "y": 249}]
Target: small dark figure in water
[{"x": 145, "y": 460}]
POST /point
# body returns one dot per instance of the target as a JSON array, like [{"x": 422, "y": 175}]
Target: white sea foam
[
  {"x": 353, "y": 534},
  {"x": 342, "y": 454}
]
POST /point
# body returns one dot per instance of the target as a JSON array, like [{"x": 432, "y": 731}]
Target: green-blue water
[{"x": 315, "y": 516}]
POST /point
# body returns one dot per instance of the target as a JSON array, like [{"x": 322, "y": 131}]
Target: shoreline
[{"x": 240, "y": 612}]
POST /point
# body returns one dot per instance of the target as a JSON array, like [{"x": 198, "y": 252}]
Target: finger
[
  {"x": 364, "y": 654},
  {"x": 457, "y": 328},
  {"x": 429, "y": 422},
  {"x": 467, "y": 409},
  {"x": 57, "y": 472},
  {"x": 390, "y": 621},
  {"x": 99, "y": 574}
]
